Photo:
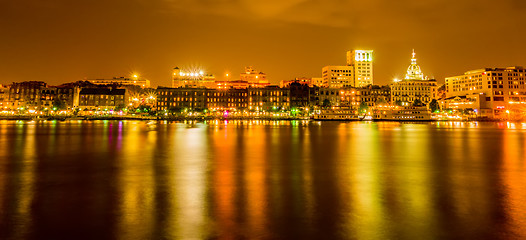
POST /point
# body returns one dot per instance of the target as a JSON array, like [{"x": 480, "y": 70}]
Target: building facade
[
  {"x": 328, "y": 97},
  {"x": 230, "y": 99},
  {"x": 102, "y": 99},
  {"x": 180, "y": 98},
  {"x": 374, "y": 95},
  {"x": 497, "y": 89},
  {"x": 59, "y": 98},
  {"x": 25, "y": 95},
  {"x": 338, "y": 76},
  {"x": 268, "y": 98}
]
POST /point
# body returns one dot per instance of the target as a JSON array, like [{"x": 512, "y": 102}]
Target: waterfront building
[
  {"x": 337, "y": 76},
  {"x": 373, "y": 95},
  {"x": 301, "y": 95},
  {"x": 415, "y": 87},
  {"x": 368, "y": 96},
  {"x": 177, "y": 99},
  {"x": 350, "y": 97},
  {"x": 59, "y": 98},
  {"x": 230, "y": 99},
  {"x": 495, "y": 91},
  {"x": 102, "y": 99},
  {"x": 328, "y": 97},
  {"x": 25, "y": 95},
  {"x": 362, "y": 63},
  {"x": 268, "y": 98},
  {"x": 141, "y": 97},
  {"x": 124, "y": 81},
  {"x": 192, "y": 79},
  {"x": 4, "y": 91},
  {"x": 172, "y": 99}
]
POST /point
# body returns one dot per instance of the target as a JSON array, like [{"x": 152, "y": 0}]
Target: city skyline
[{"x": 64, "y": 42}]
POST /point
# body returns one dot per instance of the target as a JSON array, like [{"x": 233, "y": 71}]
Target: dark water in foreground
[{"x": 264, "y": 180}]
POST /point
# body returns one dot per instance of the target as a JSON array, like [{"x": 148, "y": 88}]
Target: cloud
[{"x": 347, "y": 13}]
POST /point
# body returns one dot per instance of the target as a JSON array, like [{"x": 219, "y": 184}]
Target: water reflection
[{"x": 262, "y": 179}]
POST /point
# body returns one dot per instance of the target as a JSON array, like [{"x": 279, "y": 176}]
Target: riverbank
[
  {"x": 203, "y": 118},
  {"x": 148, "y": 118}
]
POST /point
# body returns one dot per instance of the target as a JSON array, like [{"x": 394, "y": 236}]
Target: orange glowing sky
[{"x": 63, "y": 41}]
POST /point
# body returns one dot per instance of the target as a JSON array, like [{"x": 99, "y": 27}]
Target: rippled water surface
[{"x": 263, "y": 180}]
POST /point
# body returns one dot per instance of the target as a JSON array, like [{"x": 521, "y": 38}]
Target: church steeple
[{"x": 413, "y": 71}]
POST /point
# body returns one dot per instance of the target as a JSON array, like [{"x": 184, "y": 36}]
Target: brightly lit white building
[
  {"x": 415, "y": 86},
  {"x": 192, "y": 79},
  {"x": 362, "y": 61}
]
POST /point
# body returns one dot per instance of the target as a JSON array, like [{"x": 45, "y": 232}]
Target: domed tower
[{"x": 413, "y": 71}]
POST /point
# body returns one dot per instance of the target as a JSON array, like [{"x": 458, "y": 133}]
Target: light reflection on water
[{"x": 262, "y": 179}]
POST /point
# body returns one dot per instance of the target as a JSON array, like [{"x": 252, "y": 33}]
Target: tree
[
  {"x": 143, "y": 108},
  {"x": 326, "y": 103},
  {"x": 119, "y": 107},
  {"x": 363, "y": 107},
  {"x": 398, "y": 103},
  {"x": 433, "y": 105},
  {"x": 176, "y": 110},
  {"x": 417, "y": 103},
  {"x": 380, "y": 101},
  {"x": 58, "y": 104}
]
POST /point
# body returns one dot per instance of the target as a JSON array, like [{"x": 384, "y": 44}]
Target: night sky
[{"x": 61, "y": 41}]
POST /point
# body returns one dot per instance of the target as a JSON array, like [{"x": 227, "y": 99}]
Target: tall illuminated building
[
  {"x": 362, "y": 63},
  {"x": 192, "y": 79}
]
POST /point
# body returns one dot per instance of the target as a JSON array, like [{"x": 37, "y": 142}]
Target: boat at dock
[
  {"x": 337, "y": 114},
  {"x": 402, "y": 114}
]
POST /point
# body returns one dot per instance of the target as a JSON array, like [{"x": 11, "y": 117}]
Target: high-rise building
[
  {"x": 414, "y": 87},
  {"x": 362, "y": 62}
]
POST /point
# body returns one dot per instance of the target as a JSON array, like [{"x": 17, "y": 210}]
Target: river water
[{"x": 262, "y": 180}]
